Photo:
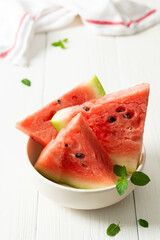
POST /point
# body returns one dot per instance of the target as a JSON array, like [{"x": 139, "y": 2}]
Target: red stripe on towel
[
  {"x": 120, "y": 23},
  {"x": 4, "y": 54}
]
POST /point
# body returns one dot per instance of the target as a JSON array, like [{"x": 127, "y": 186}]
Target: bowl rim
[{"x": 72, "y": 189}]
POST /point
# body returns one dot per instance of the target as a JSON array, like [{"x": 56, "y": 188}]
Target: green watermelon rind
[
  {"x": 69, "y": 181},
  {"x": 97, "y": 86},
  {"x": 57, "y": 119}
]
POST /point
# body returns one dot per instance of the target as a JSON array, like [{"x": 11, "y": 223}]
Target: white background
[{"x": 119, "y": 63}]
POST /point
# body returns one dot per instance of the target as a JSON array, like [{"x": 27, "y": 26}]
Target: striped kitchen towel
[{"x": 20, "y": 20}]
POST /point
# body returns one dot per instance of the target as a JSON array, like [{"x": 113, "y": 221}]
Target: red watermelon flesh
[
  {"x": 38, "y": 125},
  {"x": 118, "y": 120},
  {"x": 76, "y": 158}
]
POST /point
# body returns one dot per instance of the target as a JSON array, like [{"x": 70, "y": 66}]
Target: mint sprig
[
  {"x": 137, "y": 178},
  {"x": 143, "y": 223},
  {"x": 60, "y": 43},
  {"x": 113, "y": 229}
]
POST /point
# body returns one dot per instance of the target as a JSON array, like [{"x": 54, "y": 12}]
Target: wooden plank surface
[
  {"x": 119, "y": 63},
  {"x": 18, "y": 199}
]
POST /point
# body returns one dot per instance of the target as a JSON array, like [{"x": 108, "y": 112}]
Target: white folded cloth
[{"x": 20, "y": 20}]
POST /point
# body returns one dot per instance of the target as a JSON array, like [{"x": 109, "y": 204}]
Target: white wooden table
[{"x": 119, "y": 63}]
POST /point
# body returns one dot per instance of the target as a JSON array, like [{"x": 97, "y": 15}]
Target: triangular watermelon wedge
[
  {"x": 76, "y": 158},
  {"x": 38, "y": 125},
  {"x": 117, "y": 119}
]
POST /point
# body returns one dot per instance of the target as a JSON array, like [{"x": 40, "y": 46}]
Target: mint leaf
[
  {"x": 139, "y": 178},
  {"x": 120, "y": 171},
  {"x": 26, "y": 82},
  {"x": 113, "y": 229},
  {"x": 122, "y": 184},
  {"x": 117, "y": 170},
  {"x": 60, "y": 43},
  {"x": 124, "y": 172},
  {"x": 65, "y": 40},
  {"x": 143, "y": 223},
  {"x": 56, "y": 44}
]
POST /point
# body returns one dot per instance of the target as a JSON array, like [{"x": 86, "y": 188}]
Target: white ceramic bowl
[{"x": 73, "y": 197}]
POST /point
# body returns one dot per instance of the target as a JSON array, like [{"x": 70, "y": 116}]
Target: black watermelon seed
[
  {"x": 127, "y": 115},
  {"x": 59, "y": 101},
  {"x": 120, "y": 109},
  {"x": 66, "y": 145},
  {"x": 79, "y": 155},
  {"x": 112, "y": 119},
  {"x": 86, "y": 109},
  {"x": 83, "y": 164}
]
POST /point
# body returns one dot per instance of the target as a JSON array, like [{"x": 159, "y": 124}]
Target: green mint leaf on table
[
  {"x": 139, "y": 178},
  {"x": 60, "y": 43},
  {"x": 113, "y": 229},
  {"x": 143, "y": 223},
  {"x": 120, "y": 171},
  {"x": 122, "y": 184},
  {"x": 26, "y": 82}
]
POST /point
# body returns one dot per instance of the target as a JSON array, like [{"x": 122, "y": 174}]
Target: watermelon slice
[
  {"x": 76, "y": 158},
  {"x": 117, "y": 119},
  {"x": 38, "y": 125}
]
